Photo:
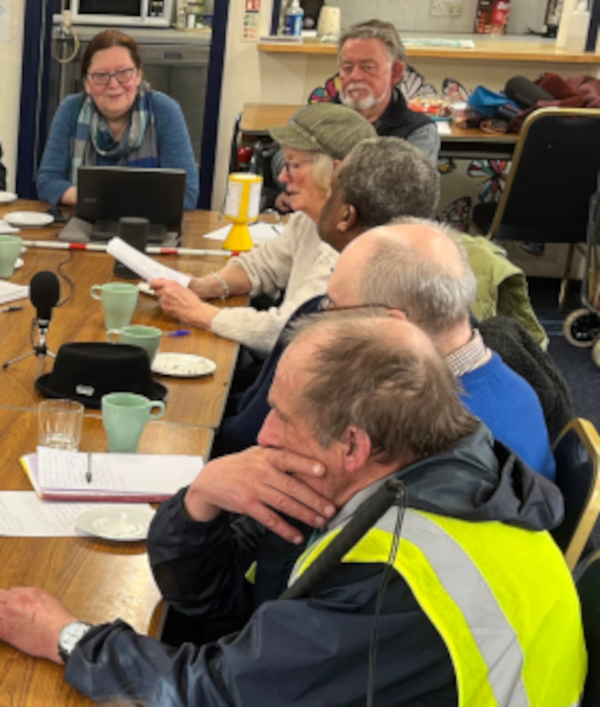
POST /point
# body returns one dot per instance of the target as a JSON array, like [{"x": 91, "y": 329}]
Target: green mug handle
[
  {"x": 116, "y": 333},
  {"x": 96, "y": 291},
  {"x": 157, "y": 409}
]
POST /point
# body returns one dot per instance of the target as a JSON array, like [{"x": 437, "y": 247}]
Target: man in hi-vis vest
[{"x": 478, "y": 608}]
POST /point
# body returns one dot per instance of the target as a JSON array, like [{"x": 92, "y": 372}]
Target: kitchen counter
[{"x": 487, "y": 48}]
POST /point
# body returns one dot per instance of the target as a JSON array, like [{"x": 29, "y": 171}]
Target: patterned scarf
[{"x": 137, "y": 147}]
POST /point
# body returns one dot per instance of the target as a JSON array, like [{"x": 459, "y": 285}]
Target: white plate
[
  {"x": 7, "y": 196},
  {"x": 19, "y": 263},
  {"x": 183, "y": 365},
  {"x": 145, "y": 289},
  {"x": 28, "y": 219},
  {"x": 113, "y": 523}
]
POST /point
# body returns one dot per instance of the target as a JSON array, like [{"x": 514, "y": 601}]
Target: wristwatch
[{"x": 70, "y": 636}]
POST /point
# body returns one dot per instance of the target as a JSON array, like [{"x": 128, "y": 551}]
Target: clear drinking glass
[{"x": 59, "y": 424}]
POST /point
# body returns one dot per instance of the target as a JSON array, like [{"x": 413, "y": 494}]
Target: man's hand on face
[
  {"x": 262, "y": 483},
  {"x": 31, "y": 620}
]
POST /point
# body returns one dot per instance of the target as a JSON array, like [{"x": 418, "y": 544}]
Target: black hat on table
[{"x": 86, "y": 371}]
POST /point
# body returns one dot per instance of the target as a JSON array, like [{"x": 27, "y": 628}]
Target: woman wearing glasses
[
  {"x": 119, "y": 120},
  {"x": 294, "y": 266}
]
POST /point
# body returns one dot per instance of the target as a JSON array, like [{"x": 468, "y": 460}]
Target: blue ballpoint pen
[{"x": 179, "y": 332}]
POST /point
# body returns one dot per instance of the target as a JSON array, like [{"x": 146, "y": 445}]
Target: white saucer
[
  {"x": 182, "y": 365},
  {"x": 145, "y": 288},
  {"x": 28, "y": 219},
  {"x": 114, "y": 523},
  {"x": 19, "y": 263},
  {"x": 7, "y": 196}
]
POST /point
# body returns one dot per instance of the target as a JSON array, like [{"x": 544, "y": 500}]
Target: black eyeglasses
[
  {"x": 327, "y": 305},
  {"x": 102, "y": 78}
]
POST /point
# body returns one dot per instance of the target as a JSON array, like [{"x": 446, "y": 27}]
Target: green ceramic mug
[
  {"x": 10, "y": 248},
  {"x": 118, "y": 302},
  {"x": 124, "y": 416},
  {"x": 148, "y": 337}
]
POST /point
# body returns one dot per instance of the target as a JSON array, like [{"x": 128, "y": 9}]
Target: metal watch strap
[{"x": 70, "y": 636}]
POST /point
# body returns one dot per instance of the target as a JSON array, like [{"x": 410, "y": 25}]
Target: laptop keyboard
[{"x": 105, "y": 230}]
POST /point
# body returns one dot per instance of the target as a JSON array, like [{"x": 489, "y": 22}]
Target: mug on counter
[
  {"x": 124, "y": 416},
  {"x": 147, "y": 337},
  {"x": 119, "y": 300}
]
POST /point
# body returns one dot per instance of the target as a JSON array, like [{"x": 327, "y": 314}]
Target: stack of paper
[
  {"x": 9, "y": 292},
  {"x": 63, "y": 475}
]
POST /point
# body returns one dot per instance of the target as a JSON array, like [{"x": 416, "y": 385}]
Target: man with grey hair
[
  {"x": 370, "y": 65},
  {"x": 381, "y": 179},
  {"x": 419, "y": 270},
  {"x": 372, "y": 402}
]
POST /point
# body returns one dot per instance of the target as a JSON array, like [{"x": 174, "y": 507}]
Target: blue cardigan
[
  {"x": 512, "y": 410},
  {"x": 174, "y": 148}
]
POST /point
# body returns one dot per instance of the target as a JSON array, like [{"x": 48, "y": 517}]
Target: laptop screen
[{"x": 109, "y": 193}]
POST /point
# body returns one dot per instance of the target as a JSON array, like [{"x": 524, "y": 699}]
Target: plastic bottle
[
  {"x": 578, "y": 28},
  {"x": 293, "y": 19}
]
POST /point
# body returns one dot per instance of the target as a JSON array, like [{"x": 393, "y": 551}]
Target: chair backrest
[
  {"x": 588, "y": 586},
  {"x": 553, "y": 175},
  {"x": 577, "y": 452}
]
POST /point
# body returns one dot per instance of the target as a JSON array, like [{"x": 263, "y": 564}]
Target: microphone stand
[{"x": 40, "y": 349}]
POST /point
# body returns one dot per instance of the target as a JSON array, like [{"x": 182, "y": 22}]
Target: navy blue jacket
[{"x": 309, "y": 652}]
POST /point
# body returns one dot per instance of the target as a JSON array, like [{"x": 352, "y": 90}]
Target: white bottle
[
  {"x": 578, "y": 28},
  {"x": 293, "y": 19},
  {"x": 568, "y": 8}
]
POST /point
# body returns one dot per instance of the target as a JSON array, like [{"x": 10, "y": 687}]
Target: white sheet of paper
[
  {"x": 443, "y": 127},
  {"x": 10, "y": 291},
  {"x": 7, "y": 228},
  {"x": 58, "y": 469},
  {"x": 142, "y": 264},
  {"x": 260, "y": 232},
  {"x": 24, "y": 515}
]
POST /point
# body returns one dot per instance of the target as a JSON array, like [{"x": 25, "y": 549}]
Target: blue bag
[{"x": 487, "y": 102}]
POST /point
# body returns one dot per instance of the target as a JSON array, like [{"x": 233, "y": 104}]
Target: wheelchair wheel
[{"x": 581, "y": 328}]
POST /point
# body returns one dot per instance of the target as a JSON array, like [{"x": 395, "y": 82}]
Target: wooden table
[
  {"x": 471, "y": 143},
  {"x": 97, "y": 580},
  {"x": 197, "y": 401}
]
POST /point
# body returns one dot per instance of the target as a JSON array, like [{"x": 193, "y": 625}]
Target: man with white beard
[
  {"x": 370, "y": 59},
  {"x": 370, "y": 65}
]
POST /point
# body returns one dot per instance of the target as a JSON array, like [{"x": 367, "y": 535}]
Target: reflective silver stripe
[{"x": 494, "y": 636}]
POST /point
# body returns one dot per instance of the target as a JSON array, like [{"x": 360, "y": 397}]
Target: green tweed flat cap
[{"x": 327, "y": 127}]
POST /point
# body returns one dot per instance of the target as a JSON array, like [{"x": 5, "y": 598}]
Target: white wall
[
  {"x": 416, "y": 15},
  {"x": 10, "y": 87}
]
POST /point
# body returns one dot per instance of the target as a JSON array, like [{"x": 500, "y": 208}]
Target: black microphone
[{"x": 44, "y": 293}]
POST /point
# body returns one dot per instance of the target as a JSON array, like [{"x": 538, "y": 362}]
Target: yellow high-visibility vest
[{"x": 501, "y": 598}]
